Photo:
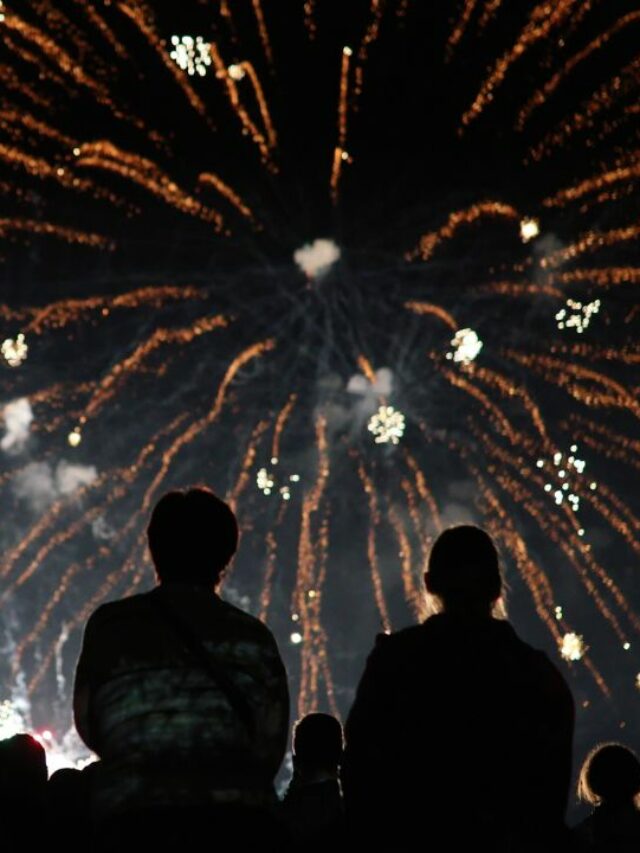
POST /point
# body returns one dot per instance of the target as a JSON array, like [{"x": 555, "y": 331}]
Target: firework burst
[{"x": 210, "y": 240}]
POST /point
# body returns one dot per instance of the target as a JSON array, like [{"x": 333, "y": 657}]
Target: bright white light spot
[
  {"x": 387, "y": 425},
  {"x": 15, "y": 350},
  {"x": 626, "y": 646},
  {"x": 529, "y": 228},
  {"x": 236, "y": 72},
  {"x": 296, "y": 638},
  {"x": 75, "y": 437},
  {"x": 558, "y": 612},
  {"x": 466, "y": 346},
  {"x": 347, "y": 51},
  {"x": 316, "y": 259},
  {"x": 573, "y": 647}
]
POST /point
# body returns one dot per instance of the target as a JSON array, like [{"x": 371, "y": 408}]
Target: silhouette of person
[
  {"x": 23, "y": 784},
  {"x": 183, "y": 696},
  {"x": 460, "y": 734},
  {"x": 68, "y": 806},
  {"x": 610, "y": 781},
  {"x": 312, "y": 807}
]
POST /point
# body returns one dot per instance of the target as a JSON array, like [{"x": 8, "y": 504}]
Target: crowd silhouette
[{"x": 459, "y": 738}]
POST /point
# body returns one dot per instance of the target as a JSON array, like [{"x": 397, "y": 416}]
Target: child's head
[{"x": 609, "y": 774}]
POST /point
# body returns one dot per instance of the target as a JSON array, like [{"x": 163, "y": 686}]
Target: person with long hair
[
  {"x": 461, "y": 733},
  {"x": 610, "y": 783}
]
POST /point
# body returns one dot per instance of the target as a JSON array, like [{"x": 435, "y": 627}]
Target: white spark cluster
[
  {"x": 66, "y": 752},
  {"x": 466, "y": 346},
  {"x": 387, "y": 425},
  {"x": 15, "y": 350},
  {"x": 316, "y": 259},
  {"x": 11, "y": 721},
  {"x": 577, "y": 315},
  {"x": 192, "y": 55},
  {"x": 573, "y": 647},
  {"x": 564, "y": 469},
  {"x": 529, "y": 228},
  {"x": 267, "y": 482}
]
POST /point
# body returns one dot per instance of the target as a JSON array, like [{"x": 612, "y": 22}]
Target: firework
[
  {"x": 466, "y": 346},
  {"x": 387, "y": 425},
  {"x": 15, "y": 350},
  {"x": 573, "y": 647},
  {"x": 213, "y": 243},
  {"x": 191, "y": 55},
  {"x": 529, "y": 228},
  {"x": 577, "y": 316}
]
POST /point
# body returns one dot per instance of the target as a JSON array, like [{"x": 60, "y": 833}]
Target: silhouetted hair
[
  {"x": 317, "y": 741},
  {"x": 610, "y": 773},
  {"x": 192, "y": 536},
  {"x": 463, "y": 566}
]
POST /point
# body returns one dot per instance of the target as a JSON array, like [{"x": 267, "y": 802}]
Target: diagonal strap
[{"x": 194, "y": 644}]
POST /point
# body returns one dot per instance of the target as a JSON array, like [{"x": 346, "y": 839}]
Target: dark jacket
[{"x": 460, "y": 733}]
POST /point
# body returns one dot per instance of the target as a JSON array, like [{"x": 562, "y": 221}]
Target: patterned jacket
[{"x": 167, "y": 728}]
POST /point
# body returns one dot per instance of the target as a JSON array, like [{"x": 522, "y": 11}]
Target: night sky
[{"x": 139, "y": 202}]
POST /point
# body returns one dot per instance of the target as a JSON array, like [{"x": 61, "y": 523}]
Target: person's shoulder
[
  {"x": 390, "y": 644},
  {"x": 131, "y": 606},
  {"x": 245, "y": 623},
  {"x": 544, "y": 671}
]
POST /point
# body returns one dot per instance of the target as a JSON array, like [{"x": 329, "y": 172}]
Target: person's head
[
  {"x": 609, "y": 774},
  {"x": 317, "y": 744},
  {"x": 463, "y": 571},
  {"x": 192, "y": 537},
  {"x": 23, "y": 767}
]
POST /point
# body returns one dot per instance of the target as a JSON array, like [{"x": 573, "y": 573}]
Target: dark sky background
[{"x": 411, "y": 168}]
